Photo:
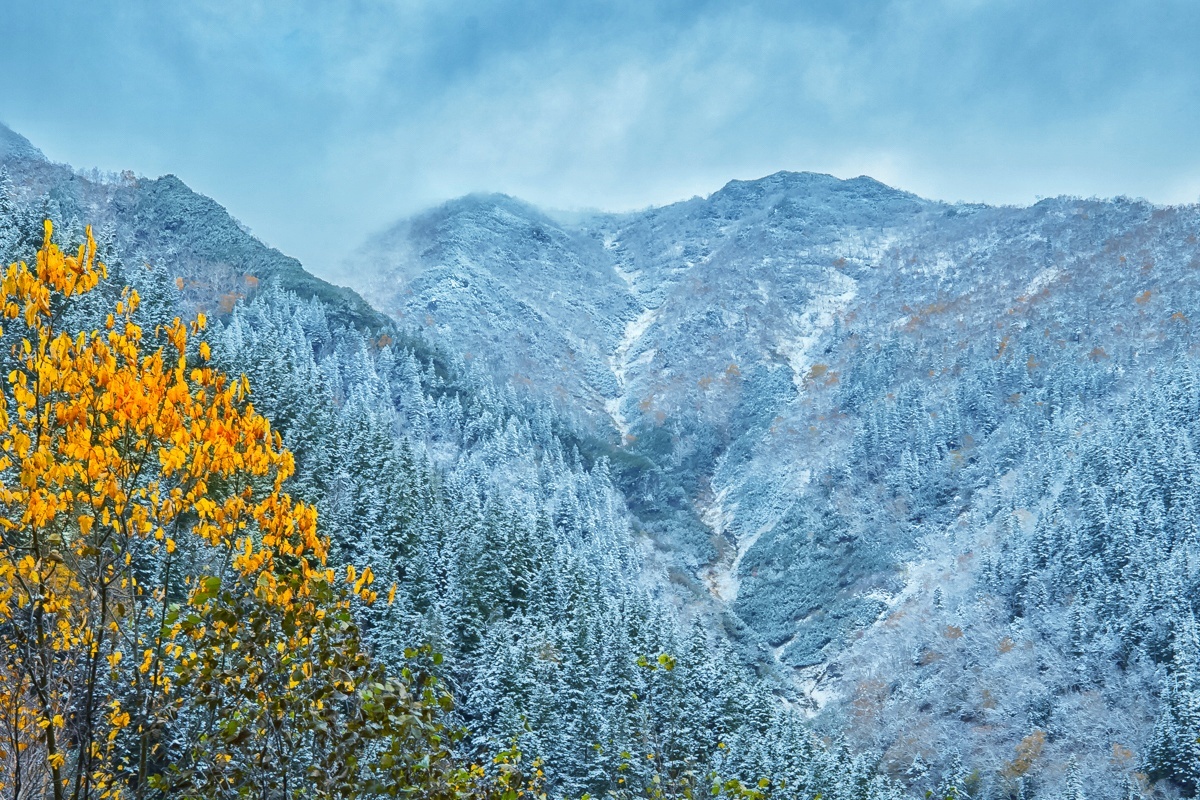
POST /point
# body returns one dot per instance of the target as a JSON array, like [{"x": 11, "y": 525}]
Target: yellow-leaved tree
[{"x": 168, "y": 623}]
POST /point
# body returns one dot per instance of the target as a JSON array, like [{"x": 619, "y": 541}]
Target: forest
[{"x": 258, "y": 539}]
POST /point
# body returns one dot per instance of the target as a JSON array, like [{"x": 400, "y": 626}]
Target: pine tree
[{"x": 1174, "y": 751}]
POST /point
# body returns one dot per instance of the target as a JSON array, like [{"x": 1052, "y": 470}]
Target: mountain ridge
[
  {"x": 155, "y": 217},
  {"x": 842, "y": 382},
  {"x": 15, "y": 146}
]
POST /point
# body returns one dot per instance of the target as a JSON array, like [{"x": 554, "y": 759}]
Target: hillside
[
  {"x": 810, "y": 480},
  {"x": 909, "y": 430},
  {"x": 555, "y": 620},
  {"x": 160, "y": 221}
]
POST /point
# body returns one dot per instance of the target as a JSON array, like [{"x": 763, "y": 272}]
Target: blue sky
[{"x": 318, "y": 123}]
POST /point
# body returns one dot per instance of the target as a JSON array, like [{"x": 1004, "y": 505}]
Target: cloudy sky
[{"x": 318, "y": 123}]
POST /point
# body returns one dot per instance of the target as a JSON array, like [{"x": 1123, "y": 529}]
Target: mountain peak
[
  {"x": 488, "y": 203},
  {"x": 818, "y": 198},
  {"x": 814, "y": 183},
  {"x": 14, "y": 146}
]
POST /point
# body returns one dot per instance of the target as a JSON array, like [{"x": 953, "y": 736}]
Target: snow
[
  {"x": 809, "y": 326},
  {"x": 625, "y": 275},
  {"x": 717, "y": 515},
  {"x": 15, "y": 146},
  {"x": 723, "y": 578},
  {"x": 810, "y": 682},
  {"x": 1041, "y": 281},
  {"x": 620, "y": 362}
]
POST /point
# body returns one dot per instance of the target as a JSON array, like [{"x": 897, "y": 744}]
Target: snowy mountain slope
[
  {"x": 160, "y": 221},
  {"x": 929, "y": 467},
  {"x": 845, "y": 381},
  {"x": 510, "y": 547},
  {"x": 543, "y": 331},
  {"x": 15, "y": 146}
]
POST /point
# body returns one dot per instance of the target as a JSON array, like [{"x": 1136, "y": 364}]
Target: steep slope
[
  {"x": 712, "y": 313},
  {"x": 438, "y": 271},
  {"x": 14, "y": 146}
]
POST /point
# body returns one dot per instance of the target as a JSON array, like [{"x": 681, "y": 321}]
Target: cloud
[{"x": 317, "y": 123}]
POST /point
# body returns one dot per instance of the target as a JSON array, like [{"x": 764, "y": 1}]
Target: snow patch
[
  {"x": 1041, "y": 281},
  {"x": 721, "y": 578},
  {"x": 726, "y": 582},
  {"x": 715, "y": 516},
  {"x": 809, "y": 681},
  {"x": 620, "y": 361},
  {"x": 813, "y": 322},
  {"x": 628, "y": 277}
]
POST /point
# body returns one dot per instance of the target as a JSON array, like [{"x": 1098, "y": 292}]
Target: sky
[{"x": 318, "y": 124}]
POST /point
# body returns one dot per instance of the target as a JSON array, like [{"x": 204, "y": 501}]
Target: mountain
[
  {"x": 899, "y": 435},
  {"x": 536, "y": 308},
  {"x": 14, "y": 146},
  {"x": 809, "y": 481},
  {"x": 558, "y": 624},
  {"x": 163, "y": 221}
]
